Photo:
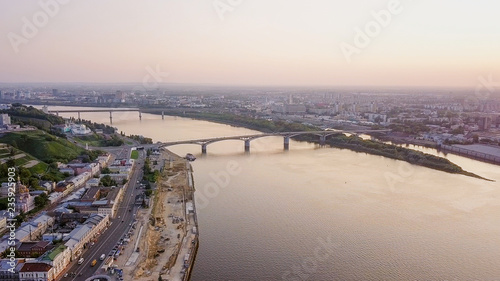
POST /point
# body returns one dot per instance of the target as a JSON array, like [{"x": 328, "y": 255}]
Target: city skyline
[{"x": 284, "y": 43}]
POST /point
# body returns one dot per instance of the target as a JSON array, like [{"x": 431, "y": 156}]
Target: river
[{"x": 314, "y": 213}]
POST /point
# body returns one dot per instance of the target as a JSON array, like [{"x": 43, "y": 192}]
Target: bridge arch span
[{"x": 286, "y": 136}]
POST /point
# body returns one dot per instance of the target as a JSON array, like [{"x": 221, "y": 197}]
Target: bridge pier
[
  {"x": 79, "y": 119},
  {"x": 286, "y": 143},
  {"x": 140, "y": 115},
  {"x": 163, "y": 115},
  {"x": 204, "y": 148},
  {"x": 247, "y": 145},
  {"x": 322, "y": 140},
  {"x": 111, "y": 117},
  {"x": 57, "y": 113}
]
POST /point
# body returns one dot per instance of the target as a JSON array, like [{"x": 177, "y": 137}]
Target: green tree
[
  {"x": 475, "y": 138},
  {"x": 41, "y": 200},
  {"x": 4, "y": 170},
  {"x": 24, "y": 173},
  {"x": 34, "y": 183},
  {"x": 107, "y": 181},
  {"x": 20, "y": 218},
  {"x": 11, "y": 162},
  {"x": 4, "y": 203}
]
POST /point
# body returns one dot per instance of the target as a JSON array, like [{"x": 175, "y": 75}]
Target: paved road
[{"x": 116, "y": 230}]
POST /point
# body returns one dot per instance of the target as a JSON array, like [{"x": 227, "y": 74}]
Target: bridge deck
[
  {"x": 91, "y": 110},
  {"x": 282, "y": 134}
]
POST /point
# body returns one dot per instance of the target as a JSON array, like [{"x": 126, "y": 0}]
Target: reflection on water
[{"x": 328, "y": 214}]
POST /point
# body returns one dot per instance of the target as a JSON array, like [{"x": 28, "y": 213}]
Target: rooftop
[
  {"x": 91, "y": 194},
  {"x": 5, "y": 264},
  {"x": 36, "y": 267},
  {"x": 52, "y": 255},
  {"x": 77, "y": 234},
  {"x": 27, "y": 246},
  {"x": 95, "y": 219}
]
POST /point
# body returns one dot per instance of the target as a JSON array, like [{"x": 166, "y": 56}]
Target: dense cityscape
[
  {"x": 230, "y": 140},
  {"x": 75, "y": 198},
  {"x": 457, "y": 118}
]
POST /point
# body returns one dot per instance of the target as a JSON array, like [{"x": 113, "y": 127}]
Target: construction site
[{"x": 165, "y": 236}]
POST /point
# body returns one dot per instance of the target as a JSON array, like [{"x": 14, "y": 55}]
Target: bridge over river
[
  {"x": 79, "y": 111},
  {"x": 286, "y": 138}
]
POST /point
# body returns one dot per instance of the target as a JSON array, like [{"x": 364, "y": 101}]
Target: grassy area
[
  {"x": 28, "y": 175},
  {"x": 39, "y": 168},
  {"x": 98, "y": 140},
  {"x": 91, "y": 140},
  {"x": 134, "y": 154},
  {"x": 43, "y": 146},
  {"x": 39, "y": 123}
]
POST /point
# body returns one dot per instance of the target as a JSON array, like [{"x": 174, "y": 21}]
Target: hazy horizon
[
  {"x": 160, "y": 86},
  {"x": 292, "y": 43}
]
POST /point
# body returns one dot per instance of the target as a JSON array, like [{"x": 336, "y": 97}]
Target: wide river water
[{"x": 314, "y": 213}]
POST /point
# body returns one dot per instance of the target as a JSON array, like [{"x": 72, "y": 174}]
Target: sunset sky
[{"x": 446, "y": 43}]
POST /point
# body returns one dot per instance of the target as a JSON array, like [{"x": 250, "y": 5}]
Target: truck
[{"x": 94, "y": 262}]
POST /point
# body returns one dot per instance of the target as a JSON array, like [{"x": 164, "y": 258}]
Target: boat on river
[{"x": 190, "y": 157}]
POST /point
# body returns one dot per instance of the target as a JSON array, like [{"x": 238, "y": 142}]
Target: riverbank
[
  {"x": 398, "y": 153},
  {"x": 480, "y": 152},
  {"x": 262, "y": 125},
  {"x": 168, "y": 239}
]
